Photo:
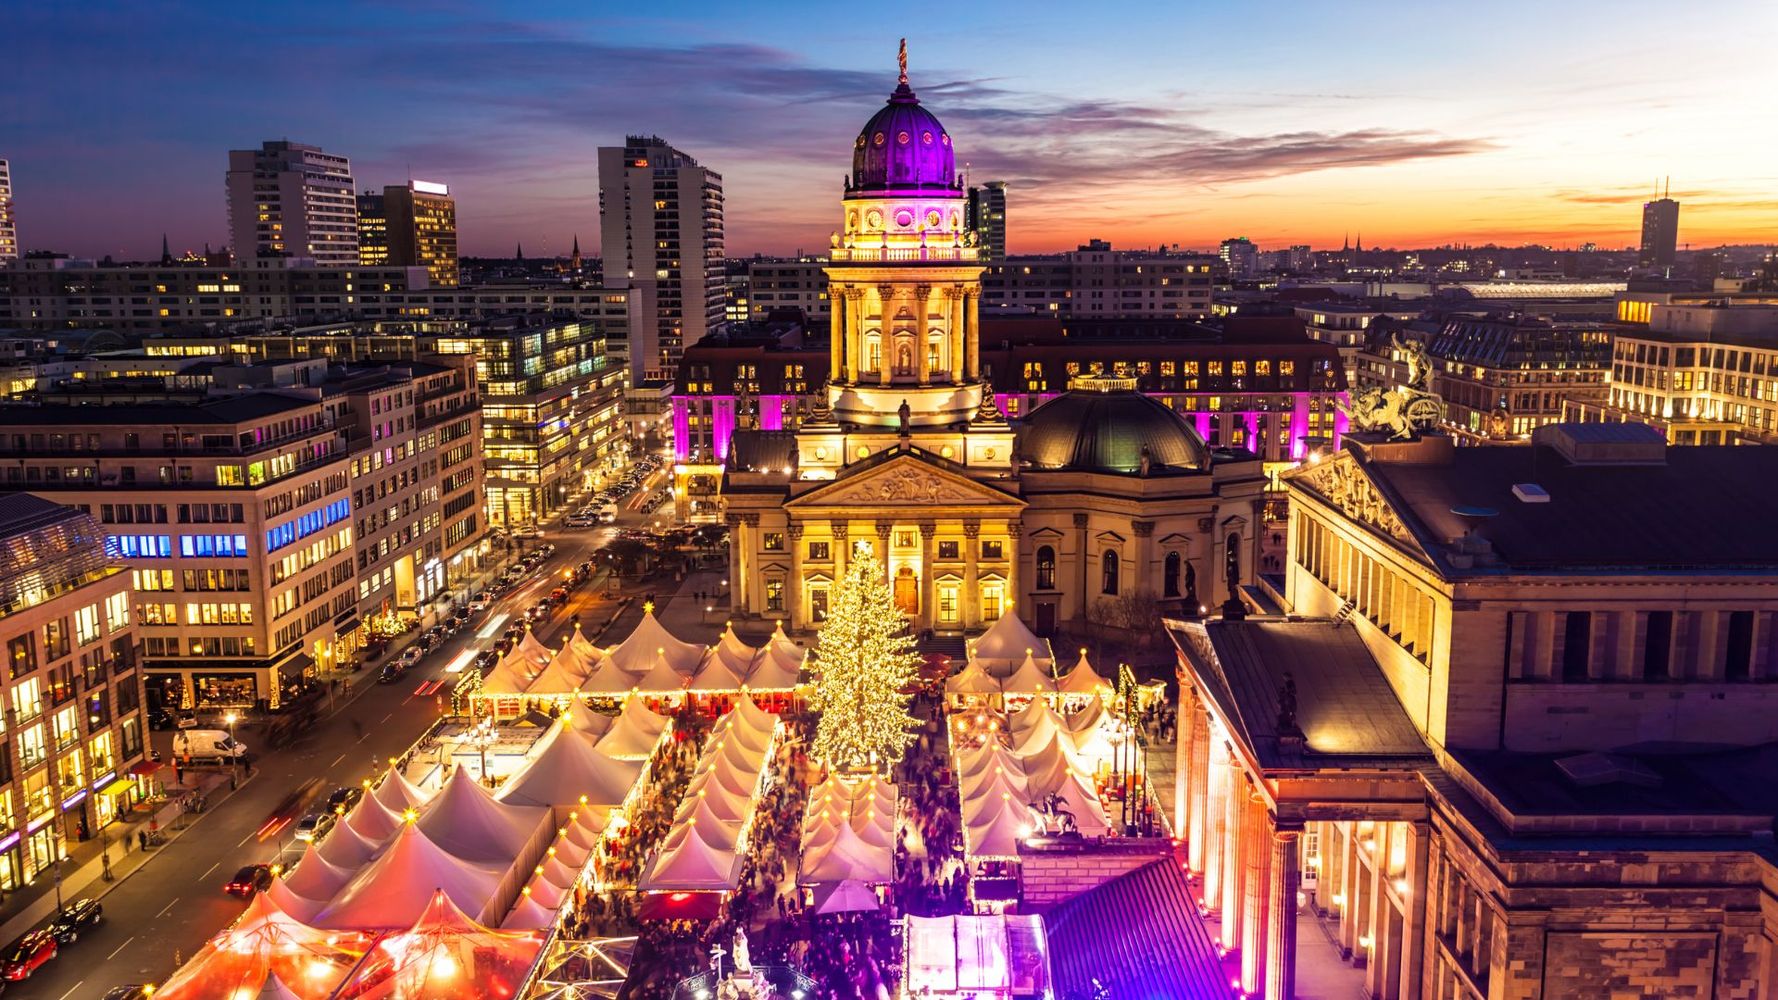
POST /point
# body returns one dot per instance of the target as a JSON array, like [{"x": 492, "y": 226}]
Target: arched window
[
  {"x": 873, "y": 352},
  {"x": 1170, "y": 577},
  {"x": 933, "y": 365},
  {"x": 1046, "y": 568},
  {"x": 1108, "y": 568}
]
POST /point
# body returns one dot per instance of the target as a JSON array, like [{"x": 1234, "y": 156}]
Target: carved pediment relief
[
  {"x": 905, "y": 482},
  {"x": 1344, "y": 485}
]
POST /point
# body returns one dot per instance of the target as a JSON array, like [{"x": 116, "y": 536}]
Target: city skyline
[{"x": 1339, "y": 128}]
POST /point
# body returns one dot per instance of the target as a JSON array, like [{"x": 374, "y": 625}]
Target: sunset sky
[{"x": 1141, "y": 123}]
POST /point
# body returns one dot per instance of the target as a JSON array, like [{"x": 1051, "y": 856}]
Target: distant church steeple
[
  {"x": 519, "y": 253},
  {"x": 574, "y": 256},
  {"x": 166, "y": 252}
]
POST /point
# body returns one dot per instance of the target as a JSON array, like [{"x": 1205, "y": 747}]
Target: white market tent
[
  {"x": 465, "y": 820},
  {"x": 568, "y": 768},
  {"x": 1004, "y": 645},
  {"x": 692, "y": 865},
  {"x": 1028, "y": 679},
  {"x": 313, "y": 877},
  {"x": 582, "y": 717},
  {"x": 972, "y": 680},
  {"x": 636, "y": 732},
  {"x": 398, "y": 794},
  {"x": 1082, "y": 681},
  {"x": 393, "y": 891},
  {"x": 637, "y": 654},
  {"x": 1001, "y": 822}
]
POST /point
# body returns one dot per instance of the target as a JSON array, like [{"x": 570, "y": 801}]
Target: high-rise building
[
  {"x": 1660, "y": 232},
  {"x": 9, "y": 232},
  {"x": 1241, "y": 255},
  {"x": 987, "y": 216},
  {"x": 287, "y": 199},
  {"x": 661, "y": 222},
  {"x": 422, "y": 225},
  {"x": 373, "y": 230}
]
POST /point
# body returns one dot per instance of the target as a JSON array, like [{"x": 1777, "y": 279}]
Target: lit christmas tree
[{"x": 864, "y": 664}]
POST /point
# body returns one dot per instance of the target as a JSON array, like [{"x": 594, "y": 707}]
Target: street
[{"x": 165, "y": 912}]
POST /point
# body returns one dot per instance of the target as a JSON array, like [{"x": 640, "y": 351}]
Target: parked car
[
  {"x": 345, "y": 796},
  {"x": 314, "y": 826},
  {"x": 80, "y": 915},
  {"x": 411, "y": 656},
  {"x": 391, "y": 672},
  {"x": 187, "y": 720},
  {"x": 481, "y": 601},
  {"x": 160, "y": 718},
  {"x": 207, "y": 745},
  {"x": 528, "y": 531},
  {"x": 28, "y": 954},
  {"x": 558, "y": 595},
  {"x": 486, "y": 659}
]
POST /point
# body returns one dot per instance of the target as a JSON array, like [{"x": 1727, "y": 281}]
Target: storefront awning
[
  {"x": 296, "y": 666},
  {"x": 146, "y": 767},
  {"x": 346, "y": 627},
  {"x": 118, "y": 786}
]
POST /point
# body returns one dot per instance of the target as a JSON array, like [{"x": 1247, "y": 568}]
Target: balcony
[{"x": 874, "y": 255}]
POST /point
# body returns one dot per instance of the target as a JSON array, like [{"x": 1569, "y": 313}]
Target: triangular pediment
[
  {"x": 904, "y": 481},
  {"x": 1343, "y": 484}
]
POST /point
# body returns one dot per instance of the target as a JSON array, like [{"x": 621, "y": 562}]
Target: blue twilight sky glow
[{"x": 1143, "y": 123}]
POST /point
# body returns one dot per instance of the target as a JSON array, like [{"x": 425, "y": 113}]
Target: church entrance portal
[{"x": 907, "y": 591}]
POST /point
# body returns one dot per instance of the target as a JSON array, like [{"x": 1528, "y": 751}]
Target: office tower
[
  {"x": 987, "y": 216},
  {"x": 1241, "y": 256},
  {"x": 661, "y": 223},
  {"x": 373, "y": 230},
  {"x": 410, "y": 225},
  {"x": 286, "y": 199},
  {"x": 1660, "y": 232},
  {"x": 9, "y": 233}
]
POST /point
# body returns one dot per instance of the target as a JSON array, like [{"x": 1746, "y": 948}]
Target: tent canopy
[
  {"x": 568, "y": 766},
  {"x": 465, "y": 820},
  {"x": 637, "y": 654},
  {"x": 1005, "y": 643},
  {"x": 396, "y": 889},
  {"x": 692, "y": 865},
  {"x": 1029, "y": 678},
  {"x": 972, "y": 679}
]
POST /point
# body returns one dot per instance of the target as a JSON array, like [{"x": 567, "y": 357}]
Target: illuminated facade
[
  {"x": 1511, "y": 739},
  {"x": 373, "y": 230},
  {"x": 234, "y": 517},
  {"x": 550, "y": 402},
  {"x": 1703, "y": 369},
  {"x": 72, "y": 692},
  {"x": 661, "y": 224},
  {"x": 9, "y": 231},
  {"x": 1114, "y": 505},
  {"x": 286, "y": 199}
]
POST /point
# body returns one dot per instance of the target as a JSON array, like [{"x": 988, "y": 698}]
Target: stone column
[
  {"x": 922, "y": 309},
  {"x": 799, "y": 591},
  {"x": 1280, "y": 980},
  {"x": 1015, "y": 531},
  {"x": 1182, "y": 756},
  {"x": 1413, "y": 935},
  {"x": 1080, "y": 563},
  {"x": 972, "y": 598},
  {"x": 886, "y": 301},
  {"x": 749, "y": 534},
  {"x": 1213, "y": 819},
  {"x": 928, "y": 555},
  {"x": 842, "y": 550},
  {"x": 954, "y": 330},
  {"x": 972, "y": 332},
  {"x": 1198, "y": 833},
  {"x": 1256, "y": 888},
  {"x": 836, "y": 348},
  {"x": 1234, "y": 861},
  {"x": 853, "y": 358},
  {"x": 884, "y": 529}
]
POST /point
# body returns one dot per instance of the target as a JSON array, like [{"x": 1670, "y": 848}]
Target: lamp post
[{"x": 234, "y": 758}]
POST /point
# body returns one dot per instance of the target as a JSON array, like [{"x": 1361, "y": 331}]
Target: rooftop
[{"x": 222, "y": 411}]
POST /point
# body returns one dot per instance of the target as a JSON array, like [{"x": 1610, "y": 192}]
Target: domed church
[{"x": 1092, "y": 510}]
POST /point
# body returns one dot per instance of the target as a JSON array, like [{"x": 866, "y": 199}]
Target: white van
[{"x": 202, "y": 745}]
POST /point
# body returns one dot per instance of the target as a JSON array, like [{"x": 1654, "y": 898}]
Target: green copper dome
[{"x": 1105, "y": 425}]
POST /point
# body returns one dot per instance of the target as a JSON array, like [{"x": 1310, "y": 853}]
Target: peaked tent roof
[
  {"x": 1005, "y": 643},
  {"x": 528, "y": 914},
  {"x": 373, "y": 821},
  {"x": 465, "y": 820},
  {"x": 568, "y": 766},
  {"x": 395, "y": 890},
  {"x": 848, "y": 857},
  {"x": 299, "y": 906},
  {"x": 1029, "y": 678},
  {"x": 566, "y": 671},
  {"x": 637, "y": 653},
  {"x": 717, "y": 674},
  {"x": 582, "y": 717},
  {"x": 399, "y": 794},
  {"x": 999, "y": 830},
  {"x": 447, "y": 955},
  {"x": 661, "y": 677},
  {"x": 266, "y": 943},
  {"x": 636, "y": 731},
  {"x": 972, "y": 679},
  {"x": 693, "y": 865},
  {"x": 314, "y": 876},
  {"x": 1083, "y": 679}
]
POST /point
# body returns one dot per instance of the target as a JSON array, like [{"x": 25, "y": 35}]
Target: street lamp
[{"x": 233, "y": 757}]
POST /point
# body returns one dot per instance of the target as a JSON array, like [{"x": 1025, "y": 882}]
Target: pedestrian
[{"x": 142, "y": 838}]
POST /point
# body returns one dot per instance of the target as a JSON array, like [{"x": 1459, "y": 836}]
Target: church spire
[
  {"x": 519, "y": 253},
  {"x": 901, "y": 60},
  {"x": 166, "y": 252}
]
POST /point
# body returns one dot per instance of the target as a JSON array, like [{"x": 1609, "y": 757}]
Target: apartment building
[
  {"x": 75, "y": 732},
  {"x": 234, "y": 516},
  {"x": 288, "y": 199}
]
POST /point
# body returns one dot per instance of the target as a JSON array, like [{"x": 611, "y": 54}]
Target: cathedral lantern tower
[{"x": 905, "y": 282}]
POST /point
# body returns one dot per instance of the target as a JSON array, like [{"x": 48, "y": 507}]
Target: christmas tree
[{"x": 864, "y": 664}]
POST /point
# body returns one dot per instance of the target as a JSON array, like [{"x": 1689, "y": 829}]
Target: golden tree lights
[{"x": 865, "y": 667}]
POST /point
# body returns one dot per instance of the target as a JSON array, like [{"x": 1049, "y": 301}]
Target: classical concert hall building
[
  {"x": 1101, "y": 499},
  {"x": 1516, "y": 738}
]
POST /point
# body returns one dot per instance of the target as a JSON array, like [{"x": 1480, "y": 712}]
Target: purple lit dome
[{"x": 903, "y": 148}]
